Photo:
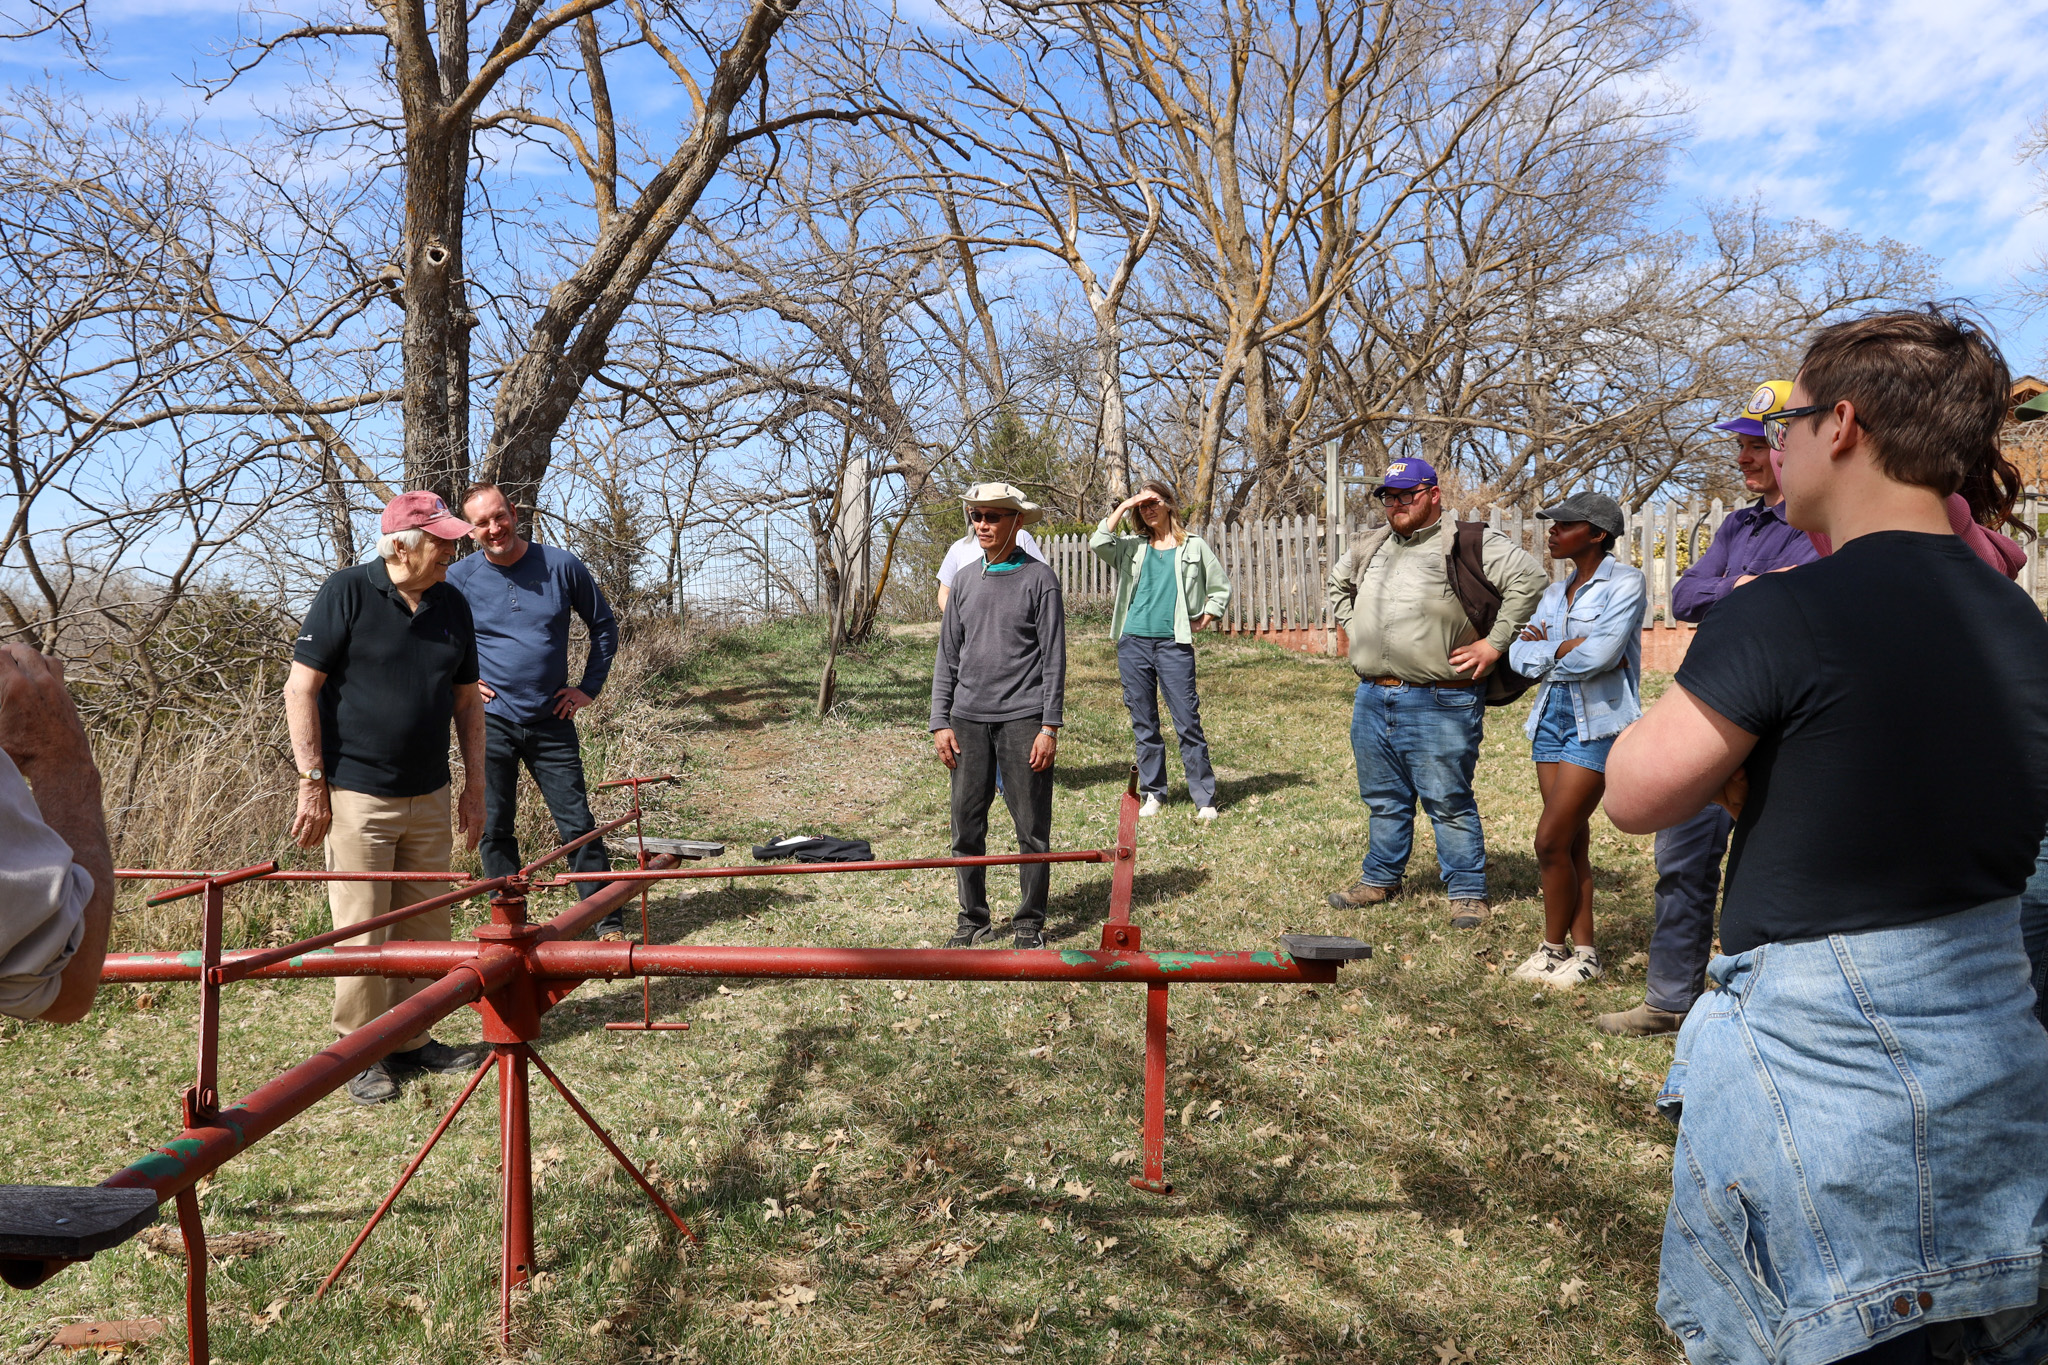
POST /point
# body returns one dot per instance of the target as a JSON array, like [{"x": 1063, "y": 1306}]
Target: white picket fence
[{"x": 1277, "y": 567}]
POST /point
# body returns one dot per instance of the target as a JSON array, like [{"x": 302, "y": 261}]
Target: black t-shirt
[
  {"x": 1898, "y": 690},
  {"x": 391, "y": 679}
]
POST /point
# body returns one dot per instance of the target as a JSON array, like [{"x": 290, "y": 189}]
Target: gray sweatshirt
[{"x": 1002, "y": 648}]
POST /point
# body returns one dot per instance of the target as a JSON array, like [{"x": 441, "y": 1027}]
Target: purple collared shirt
[{"x": 1753, "y": 540}]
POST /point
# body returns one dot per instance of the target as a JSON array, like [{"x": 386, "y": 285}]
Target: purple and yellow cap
[
  {"x": 1770, "y": 396},
  {"x": 1409, "y": 473}
]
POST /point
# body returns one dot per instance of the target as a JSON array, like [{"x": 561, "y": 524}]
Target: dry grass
[{"x": 1421, "y": 1163}]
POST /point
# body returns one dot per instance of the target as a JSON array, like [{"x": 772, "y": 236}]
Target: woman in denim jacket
[
  {"x": 1169, "y": 584},
  {"x": 1585, "y": 648}
]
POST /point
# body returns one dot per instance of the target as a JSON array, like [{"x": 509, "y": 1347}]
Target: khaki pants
[{"x": 385, "y": 834}]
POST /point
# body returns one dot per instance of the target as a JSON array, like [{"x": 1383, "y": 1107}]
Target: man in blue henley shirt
[{"x": 521, "y": 595}]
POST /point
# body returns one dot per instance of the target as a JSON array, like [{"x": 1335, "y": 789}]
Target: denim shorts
[
  {"x": 1557, "y": 735},
  {"x": 1862, "y": 1149}
]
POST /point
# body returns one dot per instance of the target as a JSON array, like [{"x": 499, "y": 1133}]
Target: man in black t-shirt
[
  {"x": 1863, "y": 1150},
  {"x": 385, "y": 659}
]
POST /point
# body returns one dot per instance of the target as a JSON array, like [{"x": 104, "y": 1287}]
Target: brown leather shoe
[
  {"x": 1469, "y": 914},
  {"x": 1361, "y": 894},
  {"x": 1640, "y": 1022}
]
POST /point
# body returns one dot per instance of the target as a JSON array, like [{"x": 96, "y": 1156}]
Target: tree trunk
[{"x": 1115, "y": 454}]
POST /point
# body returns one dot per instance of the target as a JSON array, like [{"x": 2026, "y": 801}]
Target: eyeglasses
[
  {"x": 990, "y": 514},
  {"x": 1776, "y": 424},
  {"x": 1400, "y": 497}
]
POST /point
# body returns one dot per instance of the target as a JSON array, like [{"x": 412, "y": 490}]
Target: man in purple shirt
[{"x": 1751, "y": 541}]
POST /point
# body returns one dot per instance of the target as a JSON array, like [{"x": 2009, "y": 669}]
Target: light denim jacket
[{"x": 1602, "y": 677}]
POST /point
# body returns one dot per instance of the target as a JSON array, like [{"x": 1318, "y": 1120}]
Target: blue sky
[{"x": 1887, "y": 118}]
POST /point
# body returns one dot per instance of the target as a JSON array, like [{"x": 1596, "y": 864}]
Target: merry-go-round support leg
[{"x": 1154, "y": 1179}]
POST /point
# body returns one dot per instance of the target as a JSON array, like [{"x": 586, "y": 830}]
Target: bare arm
[
  {"x": 302, "y": 717},
  {"x": 40, "y": 730},
  {"x": 1667, "y": 766},
  {"x": 469, "y": 739}
]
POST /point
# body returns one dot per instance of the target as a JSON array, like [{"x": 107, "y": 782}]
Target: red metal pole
[
  {"x": 1086, "y": 855},
  {"x": 405, "y": 1177},
  {"x": 1154, "y": 1179},
  {"x": 167, "y": 874},
  {"x": 242, "y": 966},
  {"x": 515, "y": 1159},
  {"x": 610, "y": 960},
  {"x": 196, "y": 1345},
  {"x": 241, "y": 874},
  {"x": 202, "y": 1101},
  {"x": 576, "y": 843}
]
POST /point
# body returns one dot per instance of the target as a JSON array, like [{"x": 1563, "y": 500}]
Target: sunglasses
[
  {"x": 991, "y": 515},
  {"x": 1776, "y": 424},
  {"x": 1399, "y": 497}
]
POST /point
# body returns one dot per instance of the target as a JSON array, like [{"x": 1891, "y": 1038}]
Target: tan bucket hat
[{"x": 1004, "y": 495}]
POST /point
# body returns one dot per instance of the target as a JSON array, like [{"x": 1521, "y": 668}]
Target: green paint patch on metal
[
  {"x": 300, "y": 960},
  {"x": 169, "y": 1159},
  {"x": 1180, "y": 962},
  {"x": 1075, "y": 957},
  {"x": 191, "y": 959},
  {"x": 1273, "y": 959}
]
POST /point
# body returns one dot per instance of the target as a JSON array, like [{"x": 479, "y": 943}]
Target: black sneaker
[
  {"x": 967, "y": 935},
  {"x": 373, "y": 1086},
  {"x": 437, "y": 1057},
  {"x": 1030, "y": 938}
]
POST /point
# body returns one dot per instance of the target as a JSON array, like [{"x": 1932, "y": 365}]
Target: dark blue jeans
[
  {"x": 1688, "y": 887},
  {"x": 551, "y": 752},
  {"x": 988, "y": 748},
  {"x": 1149, "y": 667},
  {"x": 1420, "y": 744}
]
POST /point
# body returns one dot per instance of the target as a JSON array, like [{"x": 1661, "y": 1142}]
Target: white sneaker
[
  {"x": 1575, "y": 971},
  {"x": 1151, "y": 806},
  {"x": 1206, "y": 813},
  {"x": 1542, "y": 963}
]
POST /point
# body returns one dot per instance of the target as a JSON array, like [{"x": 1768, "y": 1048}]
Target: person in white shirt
[
  {"x": 56, "y": 869},
  {"x": 965, "y": 551}
]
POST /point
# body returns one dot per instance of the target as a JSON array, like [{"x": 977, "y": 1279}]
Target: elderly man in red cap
[{"x": 386, "y": 657}]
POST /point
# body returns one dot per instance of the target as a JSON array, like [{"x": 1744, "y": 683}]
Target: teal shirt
[{"x": 1151, "y": 612}]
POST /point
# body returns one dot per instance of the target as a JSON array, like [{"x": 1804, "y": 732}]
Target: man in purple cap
[
  {"x": 386, "y": 658},
  {"x": 1751, "y": 541},
  {"x": 1422, "y": 664}
]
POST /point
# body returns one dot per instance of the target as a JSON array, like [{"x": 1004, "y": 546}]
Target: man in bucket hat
[
  {"x": 998, "y": 688},
  {"x": 1419, "y": 712},
  {"x": 1750, "y": 541},
  {"x": 386, "y": 658}
]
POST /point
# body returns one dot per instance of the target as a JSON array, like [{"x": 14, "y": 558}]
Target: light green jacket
[{"x": 1204, "y": 591}]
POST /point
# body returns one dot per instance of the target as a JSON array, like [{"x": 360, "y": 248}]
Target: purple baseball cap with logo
[{"x": 1409, "y": 473}]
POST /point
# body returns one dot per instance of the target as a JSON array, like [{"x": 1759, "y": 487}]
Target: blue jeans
[
  {"x": 1861, "y": 1149},
  {"x": 2034, "y": 929},
  {"x": 552, "y": 753},
  {"x": 1420, "y": 744},
  {"x": 1148, "y": 667},
  {"x": 1557, "y": 736},
  {"x": 1688, "y": 888}
]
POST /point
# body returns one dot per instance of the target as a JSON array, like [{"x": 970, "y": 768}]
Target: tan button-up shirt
[{"x": 1402, "y": 618}]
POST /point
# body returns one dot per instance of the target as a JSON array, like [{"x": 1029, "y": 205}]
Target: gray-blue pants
[
  {"x": 1688, "y": 887},
  {"x": 1149, "y": 667}
]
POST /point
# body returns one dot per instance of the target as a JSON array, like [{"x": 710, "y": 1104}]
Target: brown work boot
[
  {"x": 1361, "y": 894},
  {"x": 1469, "y": 914},
  {"x": 1644, "y": 1021}
]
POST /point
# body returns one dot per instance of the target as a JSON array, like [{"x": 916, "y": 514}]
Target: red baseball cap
[{"x": 423, "y": 511}]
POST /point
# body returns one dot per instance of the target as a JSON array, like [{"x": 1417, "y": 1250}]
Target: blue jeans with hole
[
  {"x": 1862, "y": 1149},
  {"x": 1419, "y": 745}
]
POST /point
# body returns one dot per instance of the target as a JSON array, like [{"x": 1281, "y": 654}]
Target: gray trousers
[
  {"x": 1688, "y": 887},
  {"x": 984, "y": 748},
  {"x": 1149, "y": 667}
]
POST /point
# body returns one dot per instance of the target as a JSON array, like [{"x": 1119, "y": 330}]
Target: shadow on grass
[
  {"x": 1233, "y": 790},
  {"x": 1082, "y": 908}
]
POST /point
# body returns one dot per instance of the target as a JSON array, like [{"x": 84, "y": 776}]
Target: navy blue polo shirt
[{"x": 391, "y": 673}]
